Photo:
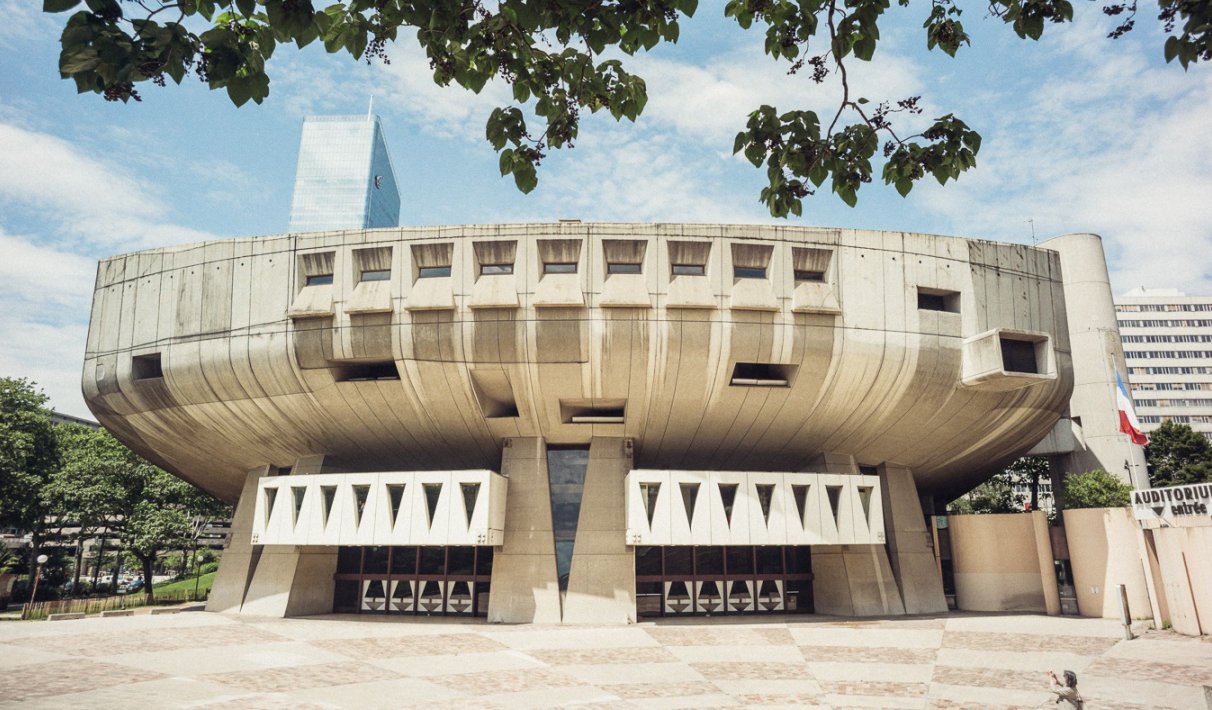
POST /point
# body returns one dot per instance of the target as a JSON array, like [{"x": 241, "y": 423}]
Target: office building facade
[
  {"x": 344, "y": 178},
  {"x": 1167, "y": 340}
]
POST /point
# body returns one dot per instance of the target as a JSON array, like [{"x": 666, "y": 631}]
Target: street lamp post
[{"x": 41, "y": 561}]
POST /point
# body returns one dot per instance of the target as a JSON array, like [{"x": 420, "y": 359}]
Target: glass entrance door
[{"x": 745, "y": 579}]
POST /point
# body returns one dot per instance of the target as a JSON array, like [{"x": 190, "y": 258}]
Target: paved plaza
[{"x": 200, "y": 660}]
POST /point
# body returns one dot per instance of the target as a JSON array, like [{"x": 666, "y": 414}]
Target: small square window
[
  {"x": 376, "y": 275},
  {"x": 623, "y": 268},
  {"x": 749, "y": 272},
  {"x": 689, "y": 270},
  {"x": 319, "y": 279},
  {"x": 809, "y": 276},
  {"x": 1019, "y": 356},
  {"x": 146, "y": 367},
  {"x": 495, "y": 269},
  {"x": 559, "y": 268},
  {"x": 433, "y": 272},
  {"x": 935, "y": 300}
]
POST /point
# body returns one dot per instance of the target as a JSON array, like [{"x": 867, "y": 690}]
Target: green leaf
[
  {"x": 506, "y": 162},
  {"x": 246, "y": 7},
  {"x": 1171, "y": 49},
  {"x": 58, "y": 5},
  {"x": 903, "y": 186}
]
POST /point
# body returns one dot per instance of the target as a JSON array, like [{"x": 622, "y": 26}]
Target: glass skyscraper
[{"x": 344, "y": 179}]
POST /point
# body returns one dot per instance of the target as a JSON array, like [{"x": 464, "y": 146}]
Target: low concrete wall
[
  {"x": 1104, "y": 551},
  {"x": 1003, "y": 563},
  {"x": 1184, "y": 557}
]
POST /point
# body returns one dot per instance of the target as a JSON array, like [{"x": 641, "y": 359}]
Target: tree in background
[
  {"x": 1178, "y": 456},
  {"x": 29, "y": 455},
  {"x": 563, "y": 58},
  {"x": 1095, "y": 489},
  {"x": 995, "y": 495}
]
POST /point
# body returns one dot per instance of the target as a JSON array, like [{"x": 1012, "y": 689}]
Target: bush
[{"x": 1096, "y": 489}]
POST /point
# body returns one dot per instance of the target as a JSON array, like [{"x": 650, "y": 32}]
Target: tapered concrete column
[
  {"x": 854, "y": 580},
  {"x": 239, "y": 558},
  {"x": 525, "y": 588},
  {"x": 910, "y": 548},
  {"x": 601, "y": 583}
]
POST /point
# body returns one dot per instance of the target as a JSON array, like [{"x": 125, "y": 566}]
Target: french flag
[{"x": 1128, "y": 423}]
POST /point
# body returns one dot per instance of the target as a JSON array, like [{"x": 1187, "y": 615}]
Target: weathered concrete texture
[
  {"x": 1183, "y": 556},
  {"x": 1104, "y": 552},
  {"x": 525, "y": 587},
  {"x": 601, "y": 582},
  {"x": 239, "y": 558},
  {"x": 1003, "y": 563},
  {"x": 854, "y": 580},
  {"x": 910, "y": 548}
]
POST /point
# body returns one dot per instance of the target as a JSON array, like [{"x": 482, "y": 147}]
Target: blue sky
[{"x": 1081, "y": 134}]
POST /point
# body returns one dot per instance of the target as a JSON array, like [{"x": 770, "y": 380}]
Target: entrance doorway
[
  {"x": 413, "y": 580},
  {"x": 738, "y": 579}
]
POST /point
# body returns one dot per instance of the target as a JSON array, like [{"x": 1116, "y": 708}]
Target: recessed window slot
[
  {"x": 366, "y": 371},
  {"x": 375, "y": 275},
  {"x": 146, "y": 367},
  {"x": 319, "y": 279},
  {"x": 1019, "y": 356},
  {"x": 433, "y": 272},
  {"x": 930, "y": 299},
  {"x": 761, "y": 374},
  {"x": 802, "y": 276}
]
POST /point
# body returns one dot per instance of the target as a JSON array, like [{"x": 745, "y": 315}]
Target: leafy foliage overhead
[{"x": 561, "y": 58}]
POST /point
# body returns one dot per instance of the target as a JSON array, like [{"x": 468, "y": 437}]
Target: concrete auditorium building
[{"x": 596, "y": 423}]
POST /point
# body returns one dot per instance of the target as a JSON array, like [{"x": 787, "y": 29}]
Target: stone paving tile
[
  {"x": 639, "y": 691},
  {"x": 577, "y": 657},
  {"x": 990, "y": 641},
  {"x": 723, "y": 636},
  {"x": 792, "y": 699},
  {"x": 319, "y": 675},
  {"x": 262, "y": 702},
  {"x": 497, "y": 682},
  {"x": 873, "y": 654},
  {"x": 875, "y": 688},
  {"x": 426, "y": 645},
  {"x": 149, "y": 640},
  {"x": 752, "y": 671},
  {"x": 990, "y": 678},
  {"x": 1165, "y": 672},
  {"x": 886, "y": 624},
  {"x": 63, "y": 677}
]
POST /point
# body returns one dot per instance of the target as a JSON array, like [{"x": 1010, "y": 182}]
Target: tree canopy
[
  {"x": 564, "y": 57},
  {"x": 1178, "y": 456},
  {"x": 29, "y": 453},
  {"x": 1095, "y": 489}
]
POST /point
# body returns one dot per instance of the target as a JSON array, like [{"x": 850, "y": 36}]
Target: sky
[{"x": 1081, "y": 134}]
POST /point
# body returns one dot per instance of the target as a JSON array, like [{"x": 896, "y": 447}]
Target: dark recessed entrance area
[
  {"x": 413, "y": 580},
  {"x": 745, "y": 579}
]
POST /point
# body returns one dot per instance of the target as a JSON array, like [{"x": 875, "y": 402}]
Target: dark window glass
[
  {"x": 689, "y": 269},
  {"x": 740, "y": 560},
  {"x": 749, "y": 272},
  {"x": 460, "y": 560},
  {"x": 556, "y": 268},
  {"x": 769, "y": 560},
  {"x": 679, "y": 561},
  {"x": 799, "y": 560},
  {"x": 349, "y": 560},
  {"x": 623, "y": 268},
  {"x": 647, "y": 561},
  {"x": 366, "y": 371},
  {"x": 404, "y": 560},
  {"x": 433, "y": 272},
  {"x": 375, "y": 561},
  {"x": 346, "y": 596},
  {"x": 319, "y": 279},
  {"x": 484, "y": 561},
  {"x": 494, "y": 269},
  {"x": 566, "y": 477},
  {"x": 376, "y": 275},
  {"x": 708, "y": 560},
  {"x": 1019, "y": 356},
  {"x": 433, "y": 560},
  {"x": 801, "y": 275}
]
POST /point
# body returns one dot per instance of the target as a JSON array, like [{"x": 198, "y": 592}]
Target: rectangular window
[
  {"x": 433, "y": 272},
  {"x": 623, "y": 268},
  {"x": 749, "y": 272},
  {"x": 559, "y": 268},
  {"x": 689, "y": 269},
  {"x": 375, "y": 275},
  {"x": 761, "y": 374},
  {"x": 1019, "y": 356},
  {"x": 495, "y": 269},
  {"x": 146, "y": 367},
  {"x": 929, "y": 299},
  {"x": 366, "y": 371},
  {"x": 319, "y": 279},
  {"x": 809, "y": 276}
]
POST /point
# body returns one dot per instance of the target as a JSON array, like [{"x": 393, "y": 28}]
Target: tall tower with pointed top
[{"x": 344, "y": 178}]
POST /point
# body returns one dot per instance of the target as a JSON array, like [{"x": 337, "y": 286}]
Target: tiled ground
[{"x": 208, "y": 661}]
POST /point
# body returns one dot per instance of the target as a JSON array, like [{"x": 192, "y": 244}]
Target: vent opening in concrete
[
  {"x": 762, "y": 374},
  {"x": 593, "y": 412},
  {"x": 366, "y": 371},
  {"x": 1019, "y": 356},
  {"x": 146, "y": 367},
  {"x": 494, "y": 393},
  {"x": 932, "y": 299}
]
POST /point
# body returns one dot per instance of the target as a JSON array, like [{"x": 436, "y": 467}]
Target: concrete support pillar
[
  {"x": 1097, "y": 354},
  {"x": 525, "y": 588},
  {"x": 854, "y": 580},
  {"x": 910, "y": 548},
  {"x": 239, "y": 558},
  {"x": 601, "y": 583}
]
